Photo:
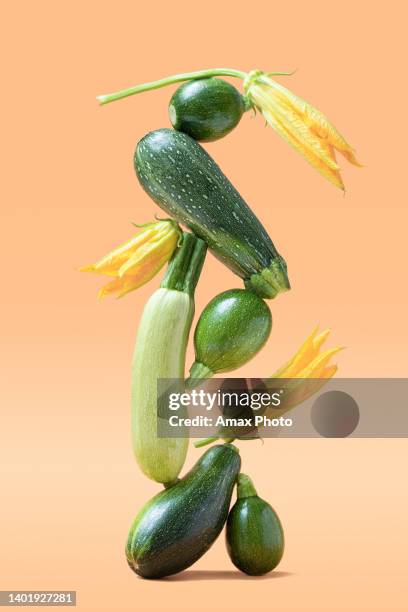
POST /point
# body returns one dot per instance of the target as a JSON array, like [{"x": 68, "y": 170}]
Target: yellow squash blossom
[
  {"x": 304, "y": 374},
  {"x": 300, "y": 124},
  {"x": 307, "y": 371},
  {"x": 134, "y": 263}
]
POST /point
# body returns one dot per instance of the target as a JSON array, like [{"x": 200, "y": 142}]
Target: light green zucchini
[{"x": 160, "y": 354}]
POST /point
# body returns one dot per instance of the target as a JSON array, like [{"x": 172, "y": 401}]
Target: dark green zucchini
[
  {"x": 232, "y": 328},
  {"x": 254, "y": 535},
  {"x": 186, "y": 182},
  {"x": 206, "y": 109},
  {"x": 177, "y": 526}
]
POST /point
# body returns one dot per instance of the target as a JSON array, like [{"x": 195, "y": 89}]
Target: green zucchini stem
[
  {"x": 198, "y": 371},
  {"x": 168, "y": 485},
  {"x": 212, "y": 439},
  {"x": 245, "y": 487},
  {"x": 186, "y": 264},
  {"x": 176, "y": 78},
  {"x": 206, "y": 441}
]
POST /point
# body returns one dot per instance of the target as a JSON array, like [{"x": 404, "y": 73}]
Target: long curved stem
[{"x": 176, "y": 78}]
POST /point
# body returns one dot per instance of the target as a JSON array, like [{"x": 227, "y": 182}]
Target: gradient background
[{"x": 70, "y": 487}]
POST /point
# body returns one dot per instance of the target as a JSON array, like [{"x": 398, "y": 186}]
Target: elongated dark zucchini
[
  {"x": 186, "y": 182},
  {"x": 255, "y": 540},
  {"x": 206, "y": 109},
  {"x": 177, "y": 526}
]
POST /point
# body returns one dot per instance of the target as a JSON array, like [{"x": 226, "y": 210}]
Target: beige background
[{"x": 70, "y": 486}]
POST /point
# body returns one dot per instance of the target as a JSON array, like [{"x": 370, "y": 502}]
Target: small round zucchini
[
  {"x": 232, "y": 328},
  {"x": 206, "y": 109},
  {"x": 254, "y": 534}
]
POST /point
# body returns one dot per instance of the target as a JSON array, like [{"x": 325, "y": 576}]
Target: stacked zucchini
[{"x": 180, "y": 523}]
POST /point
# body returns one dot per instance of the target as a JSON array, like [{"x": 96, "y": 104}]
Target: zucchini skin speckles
[
  {"x": 184, "y": 180},
  {"x": 254, "y": 534},
  {"x": 177, "y": 526},
  {"x": 231, "y": 330},
  {"x": 206, "y": 109}
]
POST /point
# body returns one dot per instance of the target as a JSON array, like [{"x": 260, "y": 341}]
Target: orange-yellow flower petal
[
  {"x": 318, "y": 365},
  {"x": 162, "y": 246},
  {"x": 123, "y": 285},
  {"x": 291, "y": 122},
  {"x": 304, "y": 348},
  {"x": 321, "y": 166},
  {"x": 111, "y": 263},
  {"x": 304, "y": 127},
  {"x": 303, "y": 356},
  {"x": 134, "y": 263},
  {"x": 308, "y": 362},
  {"x": 315, "y": 119},
  {"x": 307, "y": 371}
]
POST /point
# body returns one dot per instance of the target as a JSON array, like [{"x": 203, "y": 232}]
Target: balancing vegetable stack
[{"x": 177, "y": 526}]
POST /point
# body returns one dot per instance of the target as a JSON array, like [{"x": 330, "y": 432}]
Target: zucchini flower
[
  {"x": 134, "y": 263},
  {"x": 307, "y": 363},
  {"x": 305, "y": 373},
  {"x": 300, "y": 124}
]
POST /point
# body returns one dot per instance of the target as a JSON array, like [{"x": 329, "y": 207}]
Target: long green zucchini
[
  {"x": 160, "y": 353},
  {"x": 186, "y": 182},
  {"x": 179, "y": 525}
]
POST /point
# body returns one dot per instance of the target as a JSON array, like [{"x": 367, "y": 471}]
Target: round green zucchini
[
  {"x": 206, "y": 109},
  {"x": 232, "y": 328},
  {"x": 254, "y": 535},
  {"x": 177, "y": 526}
]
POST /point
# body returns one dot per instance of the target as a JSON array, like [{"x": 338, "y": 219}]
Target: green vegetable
[
  {"x": 178, "y": 78},
  {"x": 255, "y": 540},
  {"x": 179, "y": 525},
  {"x": 160, "y": 353},
  {"x": 232, "y": 328},
  {"x": 206, "y": 109},
  {"x": 185, "y": 181}
]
